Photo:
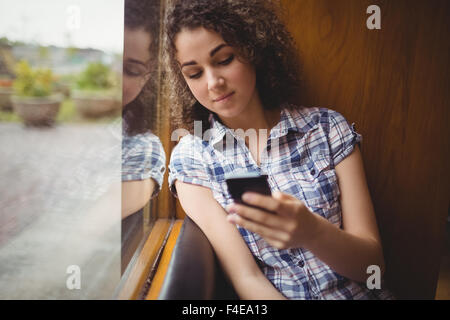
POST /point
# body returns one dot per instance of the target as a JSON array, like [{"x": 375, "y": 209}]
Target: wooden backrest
[{"x": 394, "y": 83}]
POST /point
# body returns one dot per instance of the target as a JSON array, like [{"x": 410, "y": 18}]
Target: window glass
[
  {"x": 143, "y": 155},
  {"x": 61, "y": 148}
]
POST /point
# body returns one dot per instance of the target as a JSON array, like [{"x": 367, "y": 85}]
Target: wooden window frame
[{"x": 142, "y": 267}]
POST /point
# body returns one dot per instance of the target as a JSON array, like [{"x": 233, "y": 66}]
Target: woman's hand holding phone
[{"x": 281, "y": 219}]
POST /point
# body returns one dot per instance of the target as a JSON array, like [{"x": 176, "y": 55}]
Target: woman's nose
[{"x": 215, "y": 80}]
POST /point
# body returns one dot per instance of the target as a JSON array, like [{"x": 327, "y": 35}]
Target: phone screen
[{"x": 238, "y": 185}]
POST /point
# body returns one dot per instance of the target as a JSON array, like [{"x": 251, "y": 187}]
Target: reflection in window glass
[
  {"x": 143, "y": 156},
  {"x": 60, "y": 138}
]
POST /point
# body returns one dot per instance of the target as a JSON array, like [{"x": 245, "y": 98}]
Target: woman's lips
[{"x": 224, "y": 97}]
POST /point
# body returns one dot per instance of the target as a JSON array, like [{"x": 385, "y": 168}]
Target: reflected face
[
  {"x": 136, "y": 56},
  {"x": 218, "y": 78}
]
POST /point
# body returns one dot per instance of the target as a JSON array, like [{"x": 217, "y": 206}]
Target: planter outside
[
  {"x": 92, "y": 106},
  {"x": 37, "y": 111},
  {"x": 5, "y": 98}
]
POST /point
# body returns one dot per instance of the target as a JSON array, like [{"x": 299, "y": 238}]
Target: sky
[{"x": 96, "y": 24}]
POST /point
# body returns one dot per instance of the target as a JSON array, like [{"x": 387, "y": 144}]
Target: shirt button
[
  {"x": 301, "y": 263},
  {"x": 313, "y": 172}
]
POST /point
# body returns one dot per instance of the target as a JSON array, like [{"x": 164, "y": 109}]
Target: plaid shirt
[
  {"x": 302, "y": 152},
  {"x": 143, "y": 157}
]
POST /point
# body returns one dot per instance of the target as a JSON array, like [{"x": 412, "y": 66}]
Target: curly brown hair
[
  {"x": 140, "y": 114},
  {"x": 254, "y": 28}
]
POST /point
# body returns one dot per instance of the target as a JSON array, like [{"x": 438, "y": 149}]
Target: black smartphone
[{"x": 241, "y": 183}]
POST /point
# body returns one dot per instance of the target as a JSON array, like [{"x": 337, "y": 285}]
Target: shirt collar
[
  {"x": 218, "y": 130},
  {"x": 296, "y": 119},
  {"x": 285, "y": 125},
  {"x": 290, "y": 121}
]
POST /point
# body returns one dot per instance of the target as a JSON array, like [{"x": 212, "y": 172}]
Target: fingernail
[
  {"x": 231, "y": 208},
  {"x": 247, "y": 196},
  {"x": 232, "y": 217}
]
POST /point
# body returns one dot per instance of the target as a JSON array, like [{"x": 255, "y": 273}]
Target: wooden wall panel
[
  {"x": 165, "y": 206},
  {"x": 394, "y": 83}
]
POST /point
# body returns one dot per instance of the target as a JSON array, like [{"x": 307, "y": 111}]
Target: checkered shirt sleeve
[
  {"x": 342, "y": 136},
  {"x": 186, "y": 164},
  {"x": 143, "y": 157}
]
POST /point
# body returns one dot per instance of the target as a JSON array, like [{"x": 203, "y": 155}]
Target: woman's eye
[
  {"x": 227, "y": 61},
  {"x": 131, "y": 74},
  {"x": 195, "y": 76},
  {"x": 133, "y": 71}
]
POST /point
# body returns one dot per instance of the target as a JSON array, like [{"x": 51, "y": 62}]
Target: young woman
[
  {"x": 143, "y": 158},
  {"x": 235, "y": 73}
]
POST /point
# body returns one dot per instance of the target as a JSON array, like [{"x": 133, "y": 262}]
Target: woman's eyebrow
[
  {"x": 214, "y": 51},
  {"x": 211, "y": 54},
  {"x": 190, "y": 63}
]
